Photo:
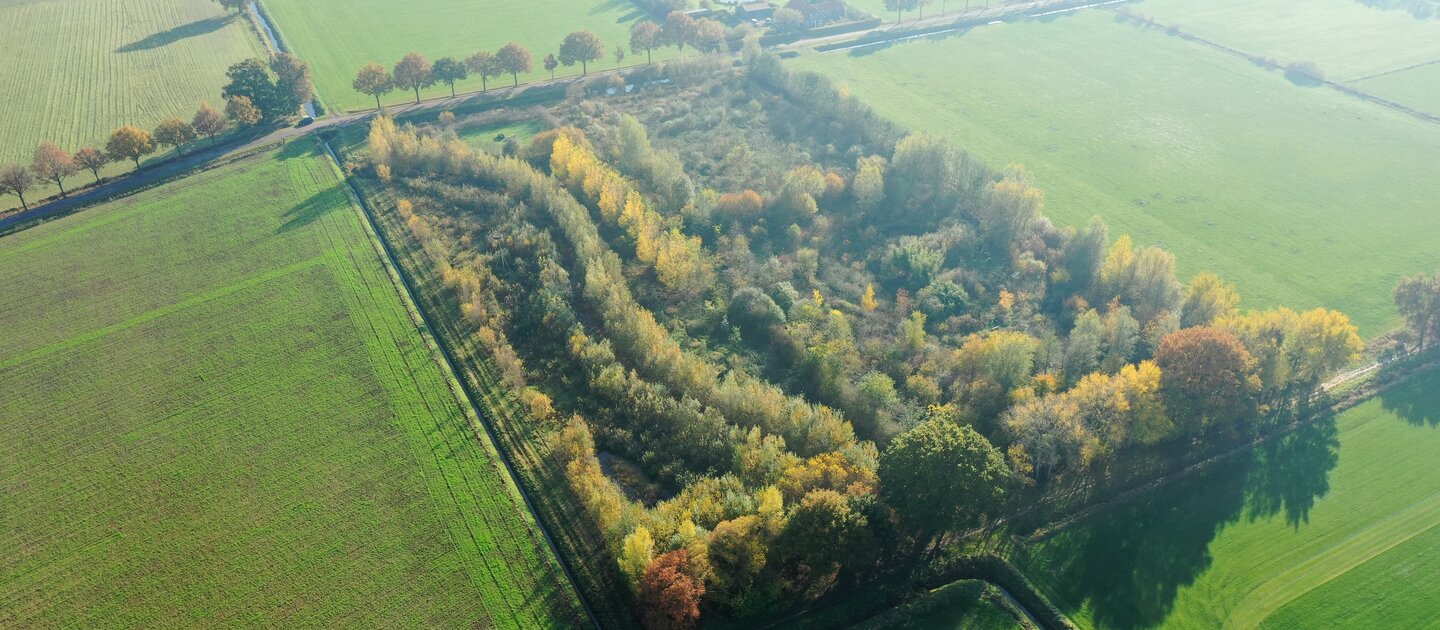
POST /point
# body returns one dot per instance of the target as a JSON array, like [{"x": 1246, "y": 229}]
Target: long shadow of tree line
[{"x": 1129, "y": 562}]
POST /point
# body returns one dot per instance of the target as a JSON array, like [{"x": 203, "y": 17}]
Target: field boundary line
[
  {"x": 1394, "y": 71},
  {"x": 441, "y": 354},
  {"x": 1332, "y": 562}
]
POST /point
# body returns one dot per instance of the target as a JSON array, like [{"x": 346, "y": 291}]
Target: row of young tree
[
  {"x": 415, "y": 72},
  {"x": 933, "y": 342},
  {"x": 53, "y": 164},
  {"x": 256, "y": 92}
]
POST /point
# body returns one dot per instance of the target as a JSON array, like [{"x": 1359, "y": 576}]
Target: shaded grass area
[
  {"x": 1269, "y": 534},
  {"x": 221, "y": 414},
  {"x": 77, "y": 69},
  {"x": 1302, "y": 197},
  {"x": 962, "y": 605},
  {"x": 383, "y": 31}
]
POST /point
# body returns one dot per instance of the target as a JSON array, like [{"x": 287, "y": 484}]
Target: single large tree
[
  {"x": 709, "y": 36},
  {"x": 514, "y": 58},
  {"x": 293, "y": 87},
  {"x": 54, "y": 164},
  {"x": 448, "y": 70},
  {"x": 174, "y": 132},
  {"x": 1418, "y": 299},
  {"x": 129, "y": 143},
  {"x": 941, "y": 475},
  {"x": 93, "y": 159},
  {"x": 825, "y": 529},
  {"x": 374, "y": 80},
  {"x": 233, "y": 5},
  {"x": 644, "y": 35},
  {"x": 241, "y": 110},
  {"x": 208, "y": 122},
  {"x": 679, "y": 30},
  {"x": 670, "y": 592},
  {"x": 1206, "y": 379},
  {"x": 16, "y": 180},
  {"x": 485, "y": 64},
  {"x": 414, "y": 72},
  {"x": 583, "y": 47}
]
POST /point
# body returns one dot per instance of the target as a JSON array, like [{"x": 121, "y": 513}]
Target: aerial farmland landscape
[{"x": 674, "y": 314}]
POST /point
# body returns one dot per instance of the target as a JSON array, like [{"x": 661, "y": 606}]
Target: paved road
[{"x": 121, "y": 186}]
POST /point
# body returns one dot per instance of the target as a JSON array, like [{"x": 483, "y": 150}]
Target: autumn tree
[
  {"x": 582, "y": 47},
  {"x": 1207, "y": 299},
  {"x": 868, "y": 186},
  {"x": 208, "y": 122},
  {"x": 514, "y": 58},
  {"x": 16, "y": 180},
  {"x": 825, "y": 529},
  {"x": 52, "y": 163},
  {"x": 1418, "y": 299},
  {"x": 644, "y": 35},
  {"x": 551, "y": 63},
  {"x": 737, "y": 553},
  {"x": 670, "y": 593},
  {"x": 1207, "y": 379},
  {"x": 709, "y": 36},
  {"x": 293, "y": 86},
  {"x": 414, "y": 72},
  {"x": 678, "y": 30},
  {"x": 129, "y": 143},
  {"x": 240, "y": 110},
  {"x": 941, "y": 475},
  {"x": 93, "y": 159},
  {"x": 277, "y": 90},
  {"x": 374, "y": 80},
  {"x": 619, "y": 54},
  {"x": 484, "y": 65},
  {"x": 1010, "y": 206},
  {"x": 448, "y": 70},
  {"x": 174, "y": 132},
  {"x": 787, "y": 20},
  {"x": 1321, "y": 342},
  {"x": 636, "y": 551}
]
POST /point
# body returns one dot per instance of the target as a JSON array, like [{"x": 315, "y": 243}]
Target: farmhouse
[
  {"x": 754, "y": 11},
  {"x": 818, "y": 13}
]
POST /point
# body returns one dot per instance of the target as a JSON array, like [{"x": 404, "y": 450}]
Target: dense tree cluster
[
  {"x": 828, "y": 344},
  {"x": 275, "y": 89}
]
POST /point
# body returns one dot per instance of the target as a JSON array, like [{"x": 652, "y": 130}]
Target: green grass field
[
  {"x": 1417, "y": 87},
  {"x": 1348, "y": 40},
  {"x": 382, "y": 32},
  {"x": 219, "y": 413},
  {"x": 76, "y": 69},
  {"x": 1301, "y": 196},
  {"x": 1335, "y": 525}
]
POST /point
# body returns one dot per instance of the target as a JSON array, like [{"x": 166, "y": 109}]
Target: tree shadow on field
[
  {"x": 310, "y": 210},
  {"x": 1291, "y": 473},
  {"x": 170, "y": 36},
  {"x": 1129, "y": 562},
  {"x": 1417, "y": 403}
]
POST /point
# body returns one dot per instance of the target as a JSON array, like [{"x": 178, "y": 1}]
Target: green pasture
[
  {"x": 1417, "y": 87},
  {"x": 1301, "y": 196},
  {"x": 74, "y": 70},
  {"x": 218, "y": 412},
  {"x": 338, "y": 37},
  {"x": 483, "y": 136},
  {"x": 1333, "y": 525},
  {"x": 1347, "y": 39}
]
